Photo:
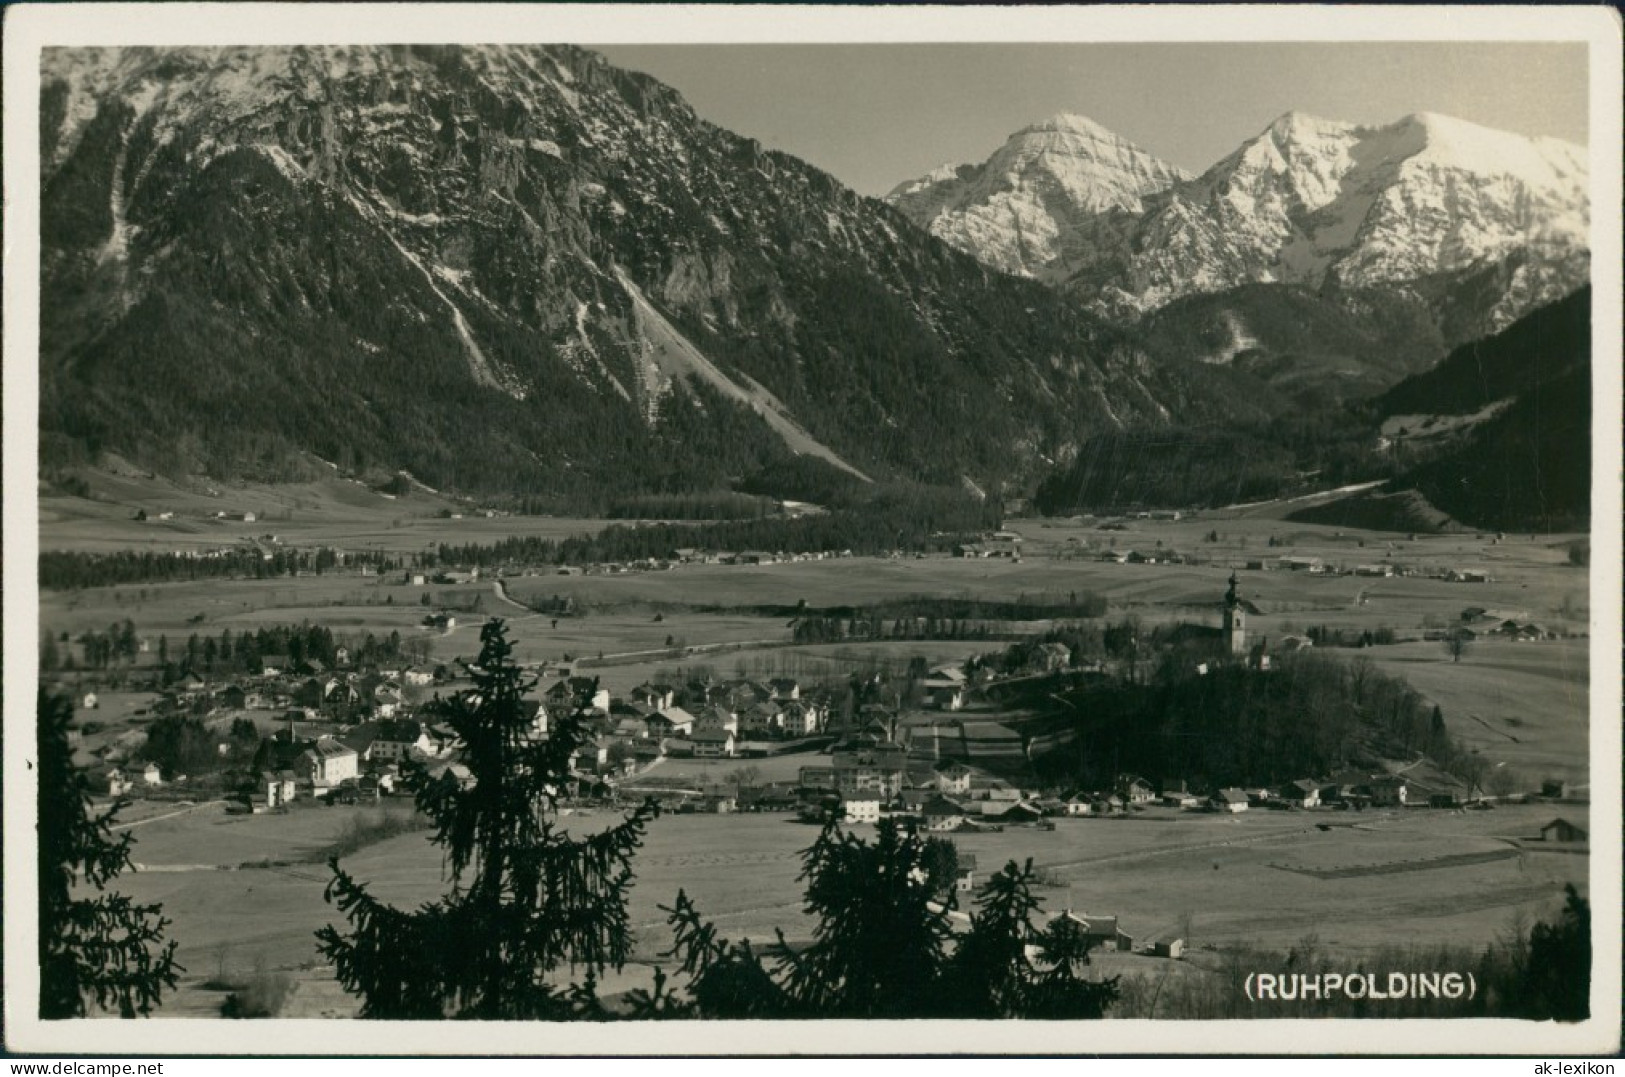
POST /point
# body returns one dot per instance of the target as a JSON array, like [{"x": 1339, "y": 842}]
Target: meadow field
[
  {"x": 1270, "y": 879},
  {"x": 327, "y": 511}
]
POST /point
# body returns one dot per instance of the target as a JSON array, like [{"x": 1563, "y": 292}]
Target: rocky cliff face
[{"x": 518, "y": 267}]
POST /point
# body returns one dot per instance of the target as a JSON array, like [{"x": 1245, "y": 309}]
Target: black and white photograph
[{"x": 639, "y": 527}]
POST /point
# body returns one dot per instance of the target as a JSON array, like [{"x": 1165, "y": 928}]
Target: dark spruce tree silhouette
[
  {"x": 1557, "y": 981},
  {"x": 882, "y": 948},
  {"x": 103, "y": 950},
  {"x": 527, "y": 899}
]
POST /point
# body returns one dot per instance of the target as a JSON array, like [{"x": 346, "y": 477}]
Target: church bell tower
[{"x": 1235, "y": 621}]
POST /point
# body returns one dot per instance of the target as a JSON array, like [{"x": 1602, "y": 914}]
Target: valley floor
[{"x": 1368, "y": 881}]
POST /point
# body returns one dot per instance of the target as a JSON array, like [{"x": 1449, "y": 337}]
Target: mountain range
[
  {"x": 519, "y": 269},
  {"x": 1421, "y": 208}
]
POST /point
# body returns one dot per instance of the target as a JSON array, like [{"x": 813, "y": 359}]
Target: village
[
  {"x": 342, "y": 730},
  {"x": 275, "y": 708},
  {"x": 941, "y": 750}
]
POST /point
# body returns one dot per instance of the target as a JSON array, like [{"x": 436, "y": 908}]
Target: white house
[
  {"x": 940, "y": 813},
  {"x": 869, "y": 771},
  {"x": 1302, "y": 792},
  {"x": 1389, "y": 791},
  {"x": 655, "y": 696},
  {"x": 952, "y": 777},
  {"x": 861, "y": 810},
  {"x": 716, "y": 720},
  {"x": 800, "y": 719},
  {"x": 327, "y": 763},
  {"x": 397, "y": 737},
  {"x": 714, "y": 743},
  {"x": 764, "y": 717},
  {"x": 670, "y": 722}
]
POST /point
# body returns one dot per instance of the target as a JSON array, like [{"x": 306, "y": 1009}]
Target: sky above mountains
[{"x": 874, "y": 115}]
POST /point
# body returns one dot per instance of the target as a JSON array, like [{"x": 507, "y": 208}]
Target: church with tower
[{"x": 1235, "y": 621}]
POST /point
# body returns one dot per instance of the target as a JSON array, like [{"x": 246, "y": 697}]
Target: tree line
[
  {"x": 1309, "y": 715},
  {"x": 66, "y": 570},
  {"x": 910, "y": 518},
  {"x": 229, "y": 652}
]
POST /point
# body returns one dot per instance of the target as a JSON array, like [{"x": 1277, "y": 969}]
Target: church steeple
[{"x": 1235, "y": 621}]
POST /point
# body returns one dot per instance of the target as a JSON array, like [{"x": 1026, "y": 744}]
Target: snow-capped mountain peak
[
  {"x": 1307, "y": 200},
  {"x": 1021, "y": 208}
]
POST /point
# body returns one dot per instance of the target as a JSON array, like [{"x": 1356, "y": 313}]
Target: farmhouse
[
  {"x": 1170, "y": 948},
  {"x": 670, "y": 722},
  {"x": 1388, "y": 791},
  {"x": 1303, "y": 793},
  {"x": 1562, "y": 830},
  {"x": 1022, "y": 811},
  {"x": 1102, "y": 931},
  {"x": 277, "y": 787},
  {"x": 946, "y": 688},
  {"x": 1229, "y": 800},
  {"x": 1134, "y": 789},
  {"x": 578, "y": 693},
  {"x": 655, "y": 696},
  {"x": 1180, "y": 798},
  {"x": 940, "y": 813},
  {"x": 1312, "y": 565},
  {"x": 716, "y": 720},
  {"x": 629, "y": 730},
  {"x": 713, "y": 743}
]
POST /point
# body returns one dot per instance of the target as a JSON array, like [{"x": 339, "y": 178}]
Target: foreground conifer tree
[
  {"x": 526, "y": 899},
  {"x": 104, "y": 949},
  {"x": 882, "y": 948}
]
